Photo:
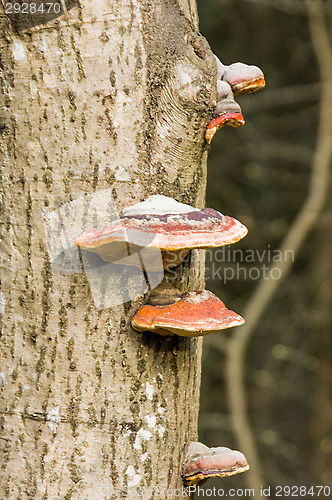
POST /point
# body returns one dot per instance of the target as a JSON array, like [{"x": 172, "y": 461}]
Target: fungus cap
[
  {"x": 191, "y": 314},
  {"x": 244, "y": 78},
  {"x": 161, "y": 223},
  {"x": 227, "y": 111},
  {"x": 203, "y": 463},
  {"x": 226, "y": 118}
]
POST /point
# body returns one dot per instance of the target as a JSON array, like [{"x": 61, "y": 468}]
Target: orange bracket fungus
[
  {"x": 190, "y": 314},
  {"x": 203, "y": 462},
  {"x": 242, "y": 78},
  {"x": 227, "y": 111},
  {"x": 238, "y": 78},
  {"x": 164, "y": 225}
]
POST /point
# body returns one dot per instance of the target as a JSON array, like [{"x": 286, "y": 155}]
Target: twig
[{"x": 300, "y": 229}]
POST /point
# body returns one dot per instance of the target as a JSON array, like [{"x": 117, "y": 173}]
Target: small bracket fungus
[
  {"x": 191, "y": 314},
  {"x": 227, "y": 111},
  {"x": 238, "y": 78},
  {"x": 242, "y": 78},
  {"x": 162, "y": 225},
  {"x": 203, "y": 462}
]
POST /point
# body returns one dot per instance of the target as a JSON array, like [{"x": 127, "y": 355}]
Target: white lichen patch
[
  {"x": 197, "y": 298},
  {"x": 158, "y": 205},
  {"x": 160, "y": 430},
  {"x": 160, "y": 410},
  {"x": 133, "y": 479},
  {"x": 183, "y": 77},
  {"x": 151, "y": 420},
  {"x": 53, "y": 418},
  {"x": 122, "y": 175},
  {"x": 142, "y": 435},
  {"x": 149, "y": 391},
  {"x": 144, "y": 456},
  {"x": 2, "y": 303},
  {"x": 43, "y": 47},
  {"x": 34, "y": 147},
  {"x": 19, "y": 50},
  {"x": 2, "y": 379}
]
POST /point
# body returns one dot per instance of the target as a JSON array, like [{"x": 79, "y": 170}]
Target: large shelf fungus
[
  {"x": 164, "y": 225},
  {"x": 237, "y": 78},
  {"x": 191, "y": 314},
  {"x": 203, "y": 463}
]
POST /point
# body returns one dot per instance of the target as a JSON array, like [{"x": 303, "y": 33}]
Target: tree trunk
[{"x": 110, "y": 99}]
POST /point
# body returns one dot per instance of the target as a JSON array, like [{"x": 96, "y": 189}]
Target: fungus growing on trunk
[
  {"x": 203, "y": 462},
  {"x": 190, "y": 314},
  {"x": 238, "y": 78},
  {"x": 227, "y": 111},
  {"x": 242, "y": 78},
  {"x": 162, "y": 224}
]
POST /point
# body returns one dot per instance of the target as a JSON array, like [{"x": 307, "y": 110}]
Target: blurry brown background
[{"x": 260, "y": 174}]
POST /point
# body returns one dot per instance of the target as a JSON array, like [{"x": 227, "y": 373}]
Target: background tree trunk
[{"x": 113, "y": 95}]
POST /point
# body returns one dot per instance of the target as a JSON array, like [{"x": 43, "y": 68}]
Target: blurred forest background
[{"x": 261, "y": 174}]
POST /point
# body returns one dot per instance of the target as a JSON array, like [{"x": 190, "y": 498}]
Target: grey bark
[{"x": 114, "y": 95}]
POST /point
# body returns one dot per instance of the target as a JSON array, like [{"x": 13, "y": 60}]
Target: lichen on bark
[{"x": 114, "y": 95}]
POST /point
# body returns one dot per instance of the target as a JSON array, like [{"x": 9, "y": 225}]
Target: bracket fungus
[
  {"x": 238, "y": 78},
  {"x": 203, "y": 463},
  {"x": 242, "y": 78},
  {"x": 164, "y": 225},
  {"x": 190, "y": 314},
  {"x": 227, "y": 111}
]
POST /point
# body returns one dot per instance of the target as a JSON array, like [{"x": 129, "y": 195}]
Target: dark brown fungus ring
[
  {"x": 191, "y": 314},
  {"x": 163, "y": 224},
  {"x": 203, "y": 463}
]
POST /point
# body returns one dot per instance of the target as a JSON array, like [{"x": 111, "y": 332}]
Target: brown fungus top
[{"x": 203, "y": 463}]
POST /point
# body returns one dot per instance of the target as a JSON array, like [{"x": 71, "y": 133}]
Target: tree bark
[{"x": 112, "y": 96}]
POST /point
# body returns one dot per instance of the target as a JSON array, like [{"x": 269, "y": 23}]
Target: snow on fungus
[
  {"x": 162, "y": 224},
  {"x": 237, "y": 78},
  {"x": 159, "y": 205},
  {"x": 244, "y": 78},
  {"x": 203, "y": 463}
]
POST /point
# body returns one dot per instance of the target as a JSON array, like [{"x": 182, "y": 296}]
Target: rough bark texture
[{"x": 114, "y": 95}]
